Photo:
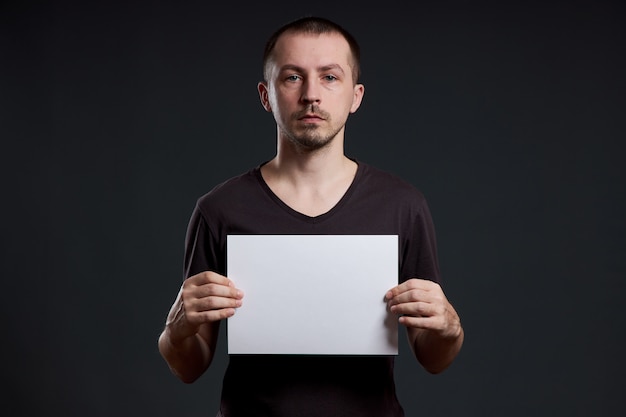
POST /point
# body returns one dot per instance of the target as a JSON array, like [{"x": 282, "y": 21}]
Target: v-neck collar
[{"x": 301, "y": 216}]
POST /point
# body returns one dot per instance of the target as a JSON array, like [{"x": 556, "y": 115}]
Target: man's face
[{"x": 310, "y": 89}]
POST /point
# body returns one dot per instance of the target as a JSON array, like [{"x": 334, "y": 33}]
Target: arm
[
  {"x": 189, "y": 338},
  {"x": 433, "y": 326}
]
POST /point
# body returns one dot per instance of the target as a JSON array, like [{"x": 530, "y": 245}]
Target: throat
[{"x": 309, "y": 197}]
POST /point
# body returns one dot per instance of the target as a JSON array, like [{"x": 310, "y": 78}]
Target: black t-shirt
[{"x": 308, "y": 385}]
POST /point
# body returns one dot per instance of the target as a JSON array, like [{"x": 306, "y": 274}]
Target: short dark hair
[{"x": 314, "y": 25}]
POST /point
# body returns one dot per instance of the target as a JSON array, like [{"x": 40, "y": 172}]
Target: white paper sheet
[{"x": 313, "y": 294}]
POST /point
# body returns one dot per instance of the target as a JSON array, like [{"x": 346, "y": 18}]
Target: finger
[
  {"x": 409, "y": 296},
  {"x": 213, "y": 303},
  {"x": 206, "y": 284},
  {"x": 215, "y": 290},
  {"x": 208, "y": 277},
  {"x": 198, "y": 311},
  {"x": 411, "y": 284},
  {"x": 429, "y": 323},
  {"x": 199, "y": 317},
  {"x": 418, "y": 309}
]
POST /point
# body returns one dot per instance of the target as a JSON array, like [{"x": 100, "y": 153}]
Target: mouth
[
  {"x": 312, "y": 114},
  {"x": 311, "y": 118}
]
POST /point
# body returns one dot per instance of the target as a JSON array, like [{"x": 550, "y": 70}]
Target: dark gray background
[{"x": 509, "y": 116}]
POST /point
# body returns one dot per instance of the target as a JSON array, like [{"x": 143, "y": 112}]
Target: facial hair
[{"x": 312, "y": 137}]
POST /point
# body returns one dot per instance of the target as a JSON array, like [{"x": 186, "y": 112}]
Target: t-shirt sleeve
[
  {"x": 419, "y": 256},
  {"x": 202, "y": 251}
]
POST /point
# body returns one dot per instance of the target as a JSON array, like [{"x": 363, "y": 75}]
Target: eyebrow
[{"x": 323, "y": 68}]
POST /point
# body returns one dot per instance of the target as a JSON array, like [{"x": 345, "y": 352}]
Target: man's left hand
[{"x": 422, "y": 304}]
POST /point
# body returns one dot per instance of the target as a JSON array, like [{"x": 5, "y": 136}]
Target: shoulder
[
  {"x": 231, "y": 184},
  {"x": 388, "y": 185},
  {"x": 233, "y": 191}
]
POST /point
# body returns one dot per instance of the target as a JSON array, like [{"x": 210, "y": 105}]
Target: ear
[
  {"x": 264, "y": 96},
  {"x": 359, "y": 91}
]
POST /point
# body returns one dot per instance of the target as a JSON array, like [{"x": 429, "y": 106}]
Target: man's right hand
[{"x": 203, "y": 298}]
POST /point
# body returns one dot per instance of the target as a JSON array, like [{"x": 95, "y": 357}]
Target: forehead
[{"x": 311, "y": 50}]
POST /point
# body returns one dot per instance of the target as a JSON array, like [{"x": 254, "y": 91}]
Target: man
[{"x": 311, "y": 70}]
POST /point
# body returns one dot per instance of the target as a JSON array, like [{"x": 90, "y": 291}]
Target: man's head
[
  {"x": 313, "y": 26},
  {"x": 310, "y": 88}
]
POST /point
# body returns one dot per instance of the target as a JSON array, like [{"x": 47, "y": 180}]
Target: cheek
[
  {"x": 283, "y": 98},
  {"x": 279, "y": 109},
  {"x": 275, "y": 103}
]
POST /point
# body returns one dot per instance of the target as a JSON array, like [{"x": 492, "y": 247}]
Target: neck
[
  {"x": 310, "y": 167},
  {"x": 309, "y": 182}
]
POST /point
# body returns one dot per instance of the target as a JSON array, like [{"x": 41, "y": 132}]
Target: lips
[
  {"x": 312, "y": 114},
  {"x": 311, "y": 117}
]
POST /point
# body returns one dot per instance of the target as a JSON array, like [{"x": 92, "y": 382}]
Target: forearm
[
  {"x": 187, "y": 358},
  {"x": 434, "y": 352}
]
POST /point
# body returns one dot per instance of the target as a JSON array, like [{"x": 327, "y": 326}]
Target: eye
[
  {"x": 292, "y": 78},
  {"x": 330, "y": 77}
]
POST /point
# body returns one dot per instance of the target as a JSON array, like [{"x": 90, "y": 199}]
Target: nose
[{"x": 310, "y": 92}]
